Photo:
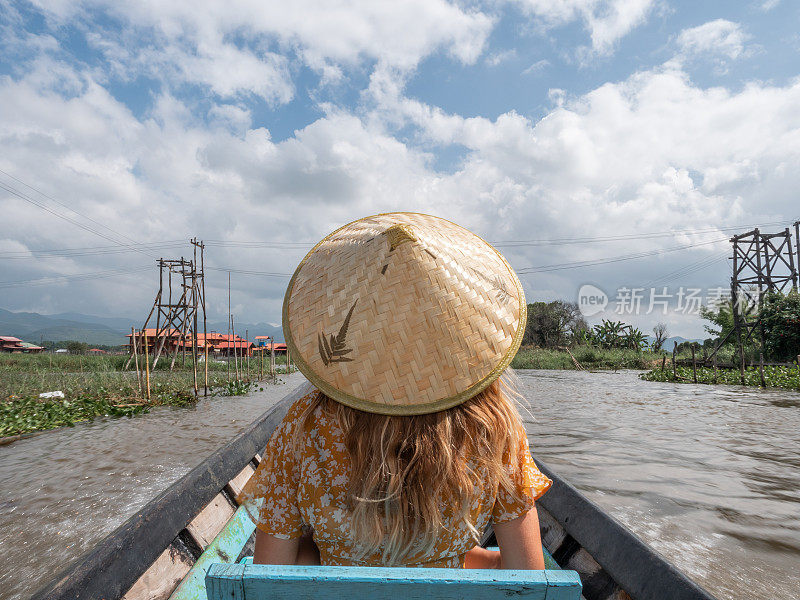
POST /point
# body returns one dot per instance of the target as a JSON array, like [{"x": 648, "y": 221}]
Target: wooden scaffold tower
[
  {"x": 176, "y": 309},
  {"x": 762, "y": 263}
]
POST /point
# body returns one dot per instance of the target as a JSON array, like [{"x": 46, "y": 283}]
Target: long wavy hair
[{"x": 406, "y": 469}]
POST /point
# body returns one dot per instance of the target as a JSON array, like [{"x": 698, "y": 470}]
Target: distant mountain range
[
  {"x": 670, "y": 341},
  {"x": 109, "y": 331}
]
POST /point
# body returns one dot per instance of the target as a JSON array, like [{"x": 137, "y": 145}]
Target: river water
[{"x": 708, "y": 476}]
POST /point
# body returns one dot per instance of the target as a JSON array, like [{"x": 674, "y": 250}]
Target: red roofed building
[
  {"x": 12, "y": 344},
  {"x": 218, "y": 343},
  {"x": 264, "y": 343},
  {"x": 240, "y": 346}
]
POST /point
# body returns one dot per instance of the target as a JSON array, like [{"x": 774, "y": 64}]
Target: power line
[
  {"x": 75, "y": 277},
  {"x": 519, "y": 243},
  {"x": 38, "y": 191},
  {"x": 691, "y": 268},
  {"x": 627, "y": 237},
  {"x": 87, "y": 251},
  {"x": 21, "y": 195},
  {"x": 611, "y": 259},
  {"x": 246, "y": 272}
]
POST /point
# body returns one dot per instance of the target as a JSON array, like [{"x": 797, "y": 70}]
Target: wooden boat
[{"x": 165, "y": 550}]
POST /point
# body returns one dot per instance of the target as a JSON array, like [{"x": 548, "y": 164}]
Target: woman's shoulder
[
  {"x": 296, "y": 414},
  {"x": 303, "y": 404}
]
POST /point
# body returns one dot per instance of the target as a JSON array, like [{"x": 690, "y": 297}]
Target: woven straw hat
[{"x": 403, "y": 314}]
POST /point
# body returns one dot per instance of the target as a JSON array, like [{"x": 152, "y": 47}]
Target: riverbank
[
  {"x": 774, "y": 376},
  {"x": 589, "y": 358},
  {"x": 94, "y": 386}
]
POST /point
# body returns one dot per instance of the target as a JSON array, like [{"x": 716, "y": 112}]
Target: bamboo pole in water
[
  {"x": 714, "y": 359},
  {"x": 235, "y": 349},
  {"x": 147, "y": 364},
  {"x": 203, "y": 298},
  {"x": 761, "y": 368},
  {"x": 136, "y": 360},
  {"x": 228, "y": 339},
  {"x": 694, "y": 366},
  {"x": 663, "y": 363},
  {"x": 674, "y": 368}
]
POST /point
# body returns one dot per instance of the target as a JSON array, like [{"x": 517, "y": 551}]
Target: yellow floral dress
[{"x": 306, "y": 487}]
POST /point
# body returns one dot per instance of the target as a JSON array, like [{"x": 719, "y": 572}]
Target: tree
[
  {"x": 780, "y": 316},
  {"x": 77, "y": 347},
  {"x": 552, "y": 324},
  {"x": 721, "y": 317},
  {"x": 661, "y": 335}
]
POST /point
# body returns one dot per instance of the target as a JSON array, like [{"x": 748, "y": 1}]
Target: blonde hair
[{"x": 406, "y": 469}]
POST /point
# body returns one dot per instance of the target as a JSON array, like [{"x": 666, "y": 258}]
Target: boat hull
[{"x": 163, "y": 551}]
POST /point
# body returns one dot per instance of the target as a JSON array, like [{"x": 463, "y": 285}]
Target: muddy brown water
[{"x": 708, "y": 476}]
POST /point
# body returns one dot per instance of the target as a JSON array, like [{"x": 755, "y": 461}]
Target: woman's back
[
  {"x": 403, "y": 322},
  {"x": 306, "y": 481}
]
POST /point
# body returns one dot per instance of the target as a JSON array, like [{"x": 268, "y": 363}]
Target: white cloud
[
  {"x": 496, "y": 58},
  {"x": 653, "y": 152},
  {"x": 719, "y": 37},
  {"x": 537, "y": 67},
  {"x": 241, "y": 46},
  {"x": 607, "y": 21}
]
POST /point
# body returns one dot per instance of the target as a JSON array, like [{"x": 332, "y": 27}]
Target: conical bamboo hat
[{"x": 403, "y": 314}]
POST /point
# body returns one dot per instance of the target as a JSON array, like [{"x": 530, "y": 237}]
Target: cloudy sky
[{"x": 617, "y": 143}]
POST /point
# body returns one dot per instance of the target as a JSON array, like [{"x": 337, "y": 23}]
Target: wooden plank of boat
[{"x": 612, "y": 562}]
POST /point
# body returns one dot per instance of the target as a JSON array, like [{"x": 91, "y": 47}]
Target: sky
[{"x": 616, "y": 144}]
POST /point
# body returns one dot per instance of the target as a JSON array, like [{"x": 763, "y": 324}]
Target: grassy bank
[
  {"x": 778, "y": 376},
  {"x": 590, "y": 358},
  {"x": 97, "y": 386}
]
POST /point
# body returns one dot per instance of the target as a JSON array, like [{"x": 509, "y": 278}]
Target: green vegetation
[
  {"x": 780, "y": 317},
  {"x": 97, "y": 386},
  {"x": 553, "y": 324},
  {"x": 556, "y": 329},
  {"x": 611, "y": 335},
  {"x": 775, "y": 376},
  {"x": 590, "y": 358},
  {"x": 780, "y": 314}
]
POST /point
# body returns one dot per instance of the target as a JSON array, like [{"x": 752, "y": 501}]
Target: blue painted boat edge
[
  {"x": 245, "y": 579},
  {"x": 562, "y": 585},
  {"x": 230, "y": 541},
  {"x": 222, "y": 551},
  {"x": 415, "y": 575}
]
